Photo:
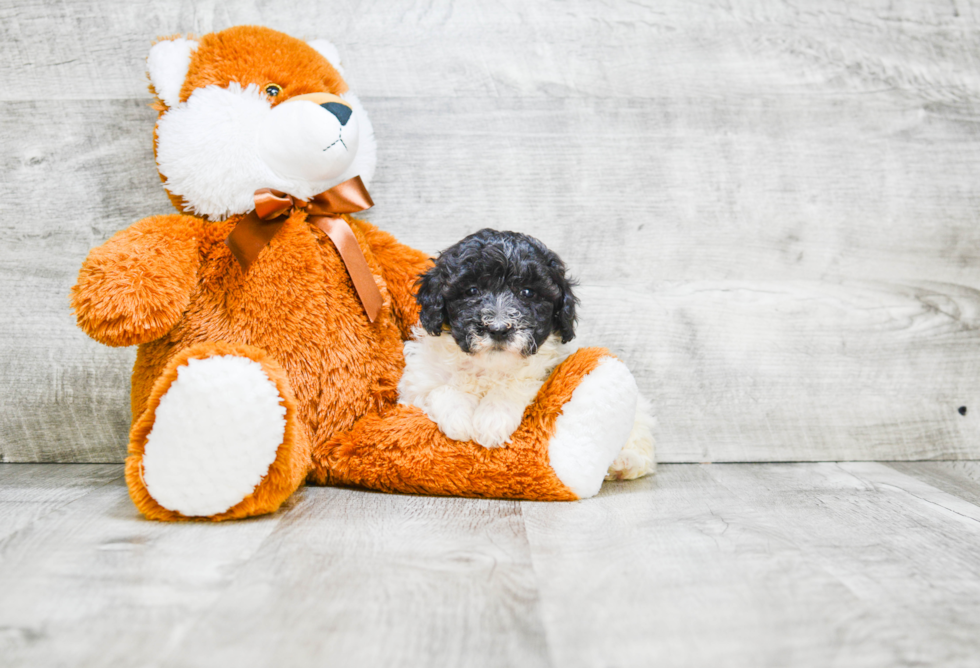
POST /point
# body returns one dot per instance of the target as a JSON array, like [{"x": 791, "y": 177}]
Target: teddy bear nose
[{"x": 341, "y": 111}]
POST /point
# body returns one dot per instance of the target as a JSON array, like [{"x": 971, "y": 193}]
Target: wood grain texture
[
  {"x": 673, "y": 153},
  {"x": 960, "y": 479},
  {"x": 63, "y": 396},
  {"x": 853, "y": 564},
  {"x": 799, "y": 370},
  {"x": 359, "y": 579},
  {"x": 819, "y": 186},
  {"x": 94, "y": 584},
  {"x": 550, "y": 48},
  {"x": 28, "y": 492},
  {"x": 761, "y": 565}
]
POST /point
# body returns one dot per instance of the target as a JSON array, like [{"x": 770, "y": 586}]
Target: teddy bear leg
[
  {"x": 570, "y": 435},
  {"x": 593, "y": 427},
  {"x": 219, "y": 439}
]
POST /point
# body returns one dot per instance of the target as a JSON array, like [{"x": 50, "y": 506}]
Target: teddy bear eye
[{"x": 273, "y": 90}]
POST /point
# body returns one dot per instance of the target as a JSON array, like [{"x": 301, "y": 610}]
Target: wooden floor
[{"x": 722, "y": 565}]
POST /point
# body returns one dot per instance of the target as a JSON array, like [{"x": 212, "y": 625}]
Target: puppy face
[{"x": 498, "y": 291}]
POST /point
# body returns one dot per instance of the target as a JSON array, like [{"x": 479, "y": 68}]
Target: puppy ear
[
  {"x": 565, "y": 316},
  {"x": 565, "y": 305},
  {"x": 429, "y": 296}
]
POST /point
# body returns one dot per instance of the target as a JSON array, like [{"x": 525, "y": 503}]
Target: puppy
[{"x": 497, "y": 313}]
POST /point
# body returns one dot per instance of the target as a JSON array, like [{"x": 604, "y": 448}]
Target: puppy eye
[
  {"x": 473, "y": 292},
  {"x": 527, "y": 293},
  {"x": 273, "y": 90}
]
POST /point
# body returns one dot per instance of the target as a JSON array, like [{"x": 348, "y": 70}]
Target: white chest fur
[{"x": 474, "y": 397}]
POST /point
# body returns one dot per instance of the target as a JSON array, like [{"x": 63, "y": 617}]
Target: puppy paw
[
  {"x": 494, "y": 422},
  {"x": 452, "y": 411}
]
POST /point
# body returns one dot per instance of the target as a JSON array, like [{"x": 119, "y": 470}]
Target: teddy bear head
[{"x": 249, "y": 108}]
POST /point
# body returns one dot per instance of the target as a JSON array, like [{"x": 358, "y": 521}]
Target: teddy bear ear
[
  {"x": 328, "y": 51},
  {"x": 167, "y": 66}
]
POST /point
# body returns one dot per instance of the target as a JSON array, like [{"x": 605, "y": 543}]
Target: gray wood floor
[{"x": 821, "y": 564}]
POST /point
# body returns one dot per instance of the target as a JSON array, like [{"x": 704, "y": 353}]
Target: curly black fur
[{"x": 498, "y": 291}]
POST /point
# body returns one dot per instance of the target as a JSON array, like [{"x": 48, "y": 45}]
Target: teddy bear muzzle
[{"x": 312, "y": 137}]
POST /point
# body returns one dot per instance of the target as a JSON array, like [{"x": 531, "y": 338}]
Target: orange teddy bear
[{"x": 270, "y": 323}]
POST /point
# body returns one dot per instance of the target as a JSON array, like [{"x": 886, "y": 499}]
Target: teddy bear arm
[
  {"x": 401, "y": 266},
  {"x": 134, "y": 288}
]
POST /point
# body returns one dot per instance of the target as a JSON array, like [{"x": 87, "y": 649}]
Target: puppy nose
[
  {"x": 341, "y": 111},
  {"x": 498, "y": 331}
]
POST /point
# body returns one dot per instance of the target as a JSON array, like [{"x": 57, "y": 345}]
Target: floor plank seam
[
  {"x": 549, "y": 640},
  {"x": 174, "y": 645}
]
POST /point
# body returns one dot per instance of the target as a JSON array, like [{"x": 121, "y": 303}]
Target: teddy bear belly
[{"x": 302, "y": 310}]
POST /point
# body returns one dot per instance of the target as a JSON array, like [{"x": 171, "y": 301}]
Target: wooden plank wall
[{"x": 771, "y": 206}]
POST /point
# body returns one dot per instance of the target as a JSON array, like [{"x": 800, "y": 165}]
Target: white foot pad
[
  {"x": 215, "y": 434},
  {"x": 593, "y": 427}
]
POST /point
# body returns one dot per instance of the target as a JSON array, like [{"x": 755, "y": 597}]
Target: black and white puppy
[
  {"x": 498, "y": 292},
  {"x": 497, "y": 314}
]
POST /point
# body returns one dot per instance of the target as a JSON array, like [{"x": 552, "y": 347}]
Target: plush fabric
[
  {"x": 216, "y": 431},
  {"x": 287, "y": 471},
  {"x": 399, "y": 449},
  {"x": 474, "y": 397},
  {"x": 170, "y": 285}
]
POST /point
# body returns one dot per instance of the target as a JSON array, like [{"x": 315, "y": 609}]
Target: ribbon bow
[{"x": 258, "y": 227}]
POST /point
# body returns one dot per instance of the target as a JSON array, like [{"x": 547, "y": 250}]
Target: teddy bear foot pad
[
  {"x": 215, "y": 434},
  {"x": 593, "y": 428}
]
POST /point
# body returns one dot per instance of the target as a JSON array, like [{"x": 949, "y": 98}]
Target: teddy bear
[{"x": 270, "y": 322}]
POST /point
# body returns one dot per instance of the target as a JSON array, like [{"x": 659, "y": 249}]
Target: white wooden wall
[{"x": 772, "y": 207}]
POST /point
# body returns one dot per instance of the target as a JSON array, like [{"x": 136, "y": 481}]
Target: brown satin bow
[{"x": 258, "y": 227}]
